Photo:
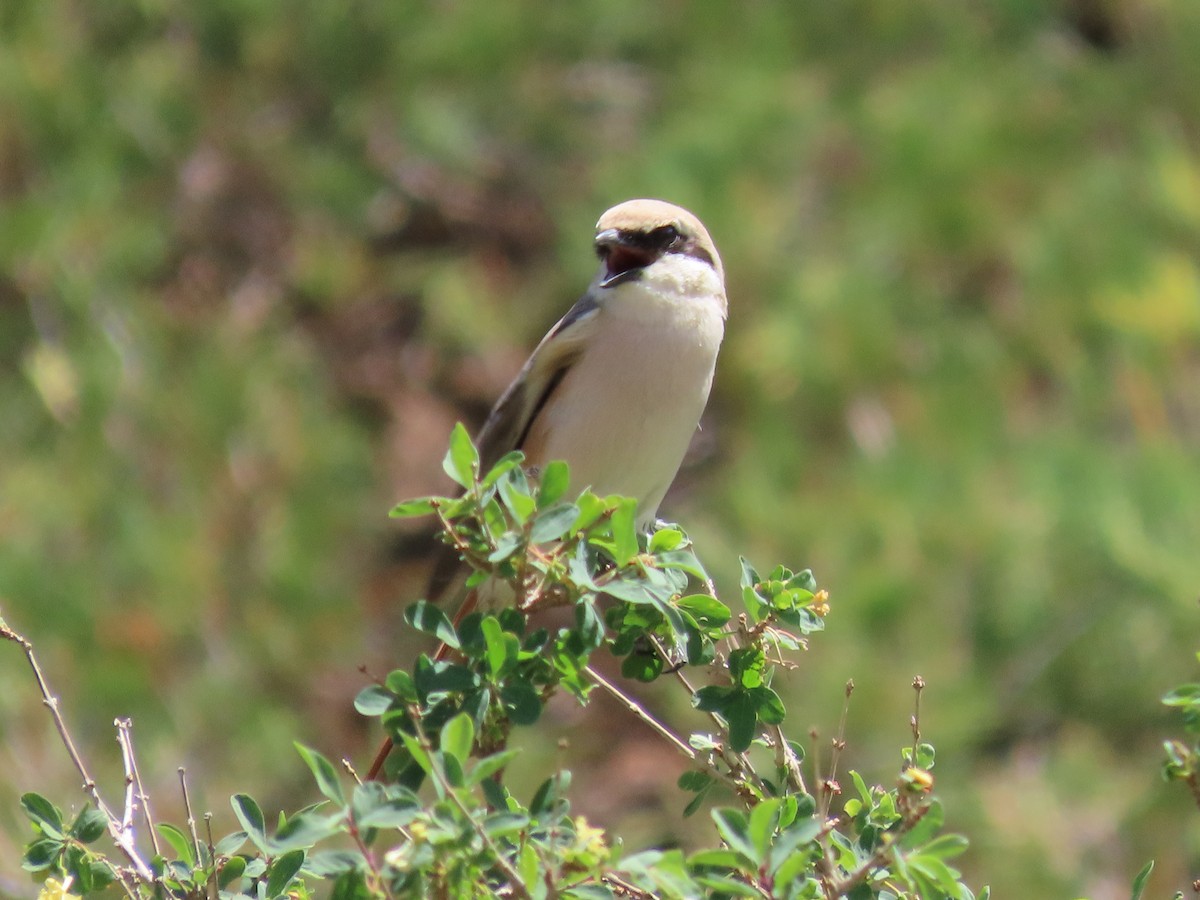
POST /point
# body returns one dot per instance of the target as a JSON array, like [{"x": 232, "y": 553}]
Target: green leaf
[
  {"x": 499, "y": 824},
  {"x": 946, "y": 846},
  {"x": 375, "y": 806},
  {"x": 665, "y": 539},
  {"x": 514, "y": 492},
  {"x": 554, "y": 522},
  {"x": 458, "y": 737},
  {"x": 548, "y": 793},
  {"x": 180, "y": 842},
  {"x": 282, "y": 871},
  {"x": 732, "y": 826},
  {"x": 760, "y": 828},
  {"x": 425, "y": 616},
  {"x": 490, "y": 765},
  {"x": 712, "y": 698},
  {"x": 462, "y": 459},
  {"x": 591, "y": 509},
  {"x": 746, "y": 666},
  {"x": 741, "y": 715},
  {"x": 374, "y": 700},
  {"x": 230, "y": 844},
  {"x": 522, "y": 702},
  {"x": 250, "y": 816},
  {"x": 724, "y": 858},
  {"x": 1139, "y": 883},
  {"x": 504, "y": 464},
  {"x": 684, "y": 560},
  {"x": 768, "y": 705},
  {"x": 502, "y": 646},
  {"x": 553, "y": 483},
  {"x": 306, "y": 828},
  {"x": 706, "y": 611},
  {"x": 644, "y": 667},
  {"x": 799, "y": 832},
  {"x": 749, "y": 575},
  {"x": 325, "y": 774},
  {"x": 400, "y": 683},
  {"x": 727, "y": 886},
  {"x": 588, "y": 892},
  {"x": 233, "y": 869},
  {"x": 89, "y": 825},
  {"x": 624, "y": 532},
  {"x": 43, "y": 814},
  {"x": 42, "y": 854},
  {"x": 409, "y": 509},
  {"x": 1184, "y": 695},
  {"x": 417, "y": 752}
]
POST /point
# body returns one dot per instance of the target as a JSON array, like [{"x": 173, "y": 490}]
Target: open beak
[{"x": 623, "y": 261}]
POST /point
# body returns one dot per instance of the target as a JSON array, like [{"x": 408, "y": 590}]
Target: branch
[{"x": 121, "y": 837}]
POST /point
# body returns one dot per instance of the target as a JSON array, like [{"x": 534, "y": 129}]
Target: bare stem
[
  {"x": 187, "y": 808},
  {"x": 636, "y": 708},
  {"x": 125, "y": 739},
  {"x": 121, "y": 837},
  {"x": 830, "y": 786},
  {"x": 918, "y": 687}
]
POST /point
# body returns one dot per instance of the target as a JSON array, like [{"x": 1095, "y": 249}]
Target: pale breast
[{"x": 624, "y": 414}]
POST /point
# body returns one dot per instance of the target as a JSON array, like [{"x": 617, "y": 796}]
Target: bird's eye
[{"x": 666, "y": 236}]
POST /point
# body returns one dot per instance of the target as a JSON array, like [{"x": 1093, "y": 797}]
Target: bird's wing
[
  {"x": 509, "y": 422},
  {"x": 513, "y": 416}
]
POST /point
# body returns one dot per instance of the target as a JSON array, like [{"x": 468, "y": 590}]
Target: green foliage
[{"x": 446, "y": 823}]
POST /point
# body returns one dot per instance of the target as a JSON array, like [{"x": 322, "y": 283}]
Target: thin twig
[
  {"x": 214, "y": 888},
  {"x": 126, "y": 746},
  {"x": 187, "y": 808},
  {"x": 634, "y": 707},
  {"x": 737, "y": 762},
  {"x": 625, "y": 889},
  {"x": 125, "y": 739},
  {"x": 830, "y": 786},
  {"x": 121, "y": 838},
  {"x": 349, "y": 767},
  {"x": 918, "y": 687}
]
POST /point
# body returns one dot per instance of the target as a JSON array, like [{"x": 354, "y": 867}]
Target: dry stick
[
  {"x": 626, "y": 889},
  {"x": 633, "y": 706},
  {"x": 121, "y": 838},
  {"x": 830, "y": 786},
  {"x": 739, "y": 786},
  {"x": 214, "y": 889},
  {"x": 125, "y": 739},
  {"x": 127, "y": 766},
  {"x": 737, "y": 762},
  {"x": 187, "y": 808},
  {"x": 918, "y": 686}
]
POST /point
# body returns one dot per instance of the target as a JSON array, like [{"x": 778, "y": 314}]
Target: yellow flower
[{"x": 53, "y": 889}]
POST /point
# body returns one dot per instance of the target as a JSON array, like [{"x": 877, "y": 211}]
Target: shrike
[{"x": 616, "y": 388}]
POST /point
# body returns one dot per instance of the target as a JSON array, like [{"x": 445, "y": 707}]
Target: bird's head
[{"x": 634, "y": 235}]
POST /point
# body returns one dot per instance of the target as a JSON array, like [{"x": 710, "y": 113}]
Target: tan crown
[{"x": 646, "y": 215}]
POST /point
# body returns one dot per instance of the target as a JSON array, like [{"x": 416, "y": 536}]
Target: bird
[{"x": 616, "y": 388}]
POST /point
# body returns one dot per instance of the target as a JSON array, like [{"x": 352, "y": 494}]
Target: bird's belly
[{"x": 625, "y": 430}]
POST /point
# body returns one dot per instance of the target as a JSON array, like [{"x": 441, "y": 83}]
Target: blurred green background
[{"x": 256, "y": 258}]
